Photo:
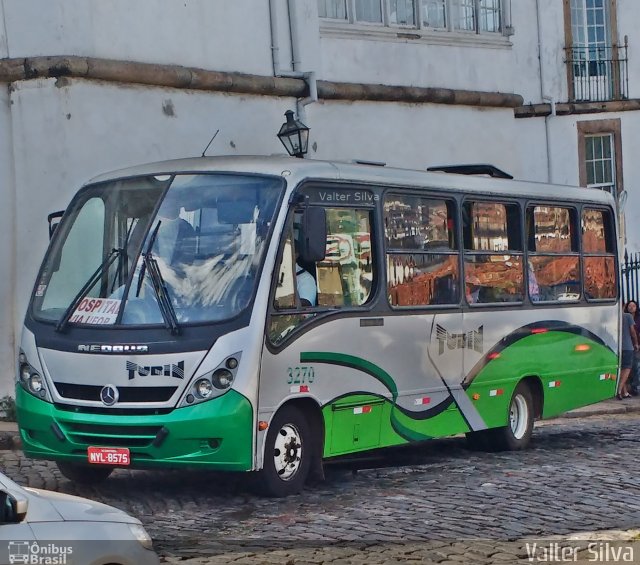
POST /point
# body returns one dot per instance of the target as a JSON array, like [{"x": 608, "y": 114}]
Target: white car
[{"x": 40, "y": 526}]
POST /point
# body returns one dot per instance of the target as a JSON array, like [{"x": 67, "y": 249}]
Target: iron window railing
[{"x": 598, "y": 73}]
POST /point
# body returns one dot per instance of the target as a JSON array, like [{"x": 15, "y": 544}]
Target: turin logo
[
  {"x": 176, "y": 371},
  {"x": 467, "y": 340}
]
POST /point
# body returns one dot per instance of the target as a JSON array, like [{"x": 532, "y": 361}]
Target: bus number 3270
[{"x": 300, "y": 375}]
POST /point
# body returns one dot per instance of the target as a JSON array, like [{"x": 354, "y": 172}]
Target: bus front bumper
[{"x": 216, "y": 434}]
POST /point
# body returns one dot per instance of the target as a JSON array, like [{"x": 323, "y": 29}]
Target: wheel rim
[
  {"x": 519, "y": 416},
  {"x": 287, "y": 454}
]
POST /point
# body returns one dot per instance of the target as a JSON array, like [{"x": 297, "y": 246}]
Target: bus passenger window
[
  {"x": 345, "y": 276},
  {"x": 493, "y": 262},
  {"x": 553, "y": 269},
  {"x": 422, "y": 254},
  {"x": 600, "y": 273}
]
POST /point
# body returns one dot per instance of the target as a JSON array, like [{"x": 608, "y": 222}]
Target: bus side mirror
[
  {"x": 54, "y": 219},
  {"x": 313, "y": 243}
]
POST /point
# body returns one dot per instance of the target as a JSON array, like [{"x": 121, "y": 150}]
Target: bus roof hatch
[{"x": 479, "y": 169}]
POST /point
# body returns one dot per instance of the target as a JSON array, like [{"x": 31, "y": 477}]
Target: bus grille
[
  {"x": 121, "y": 436},
  {"x": 126, "y": 393}
]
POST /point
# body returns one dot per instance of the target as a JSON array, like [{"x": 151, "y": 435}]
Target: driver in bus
[
  {"x": 175, "y": 242},
  {"x": 305, "y": 281},
  {"x": 306, "y": 284}
]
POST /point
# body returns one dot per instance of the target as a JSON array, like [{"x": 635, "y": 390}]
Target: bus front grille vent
[
  {"x": 126, "y": 393},
  {"x": 123, "y": 436}
]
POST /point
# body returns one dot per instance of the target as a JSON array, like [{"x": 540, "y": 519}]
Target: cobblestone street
[{"x": 420, "y": 504}]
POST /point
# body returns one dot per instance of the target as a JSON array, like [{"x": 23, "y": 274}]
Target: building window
[
  {"x": 600, "y": 155},
  {"x": 596, "y": 61},
  {"x": 600, "y": 162},
  {"x": 333, "y": 9},
  {"x": 476, "y": 16},
  {"x": 368, "y": 11}
]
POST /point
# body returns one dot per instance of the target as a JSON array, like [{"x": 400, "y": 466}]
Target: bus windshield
[{"x": 141, "y": 250}]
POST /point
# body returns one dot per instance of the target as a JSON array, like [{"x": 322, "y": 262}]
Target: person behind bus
[
  {"x": 629, "y": 344},
  {"x": 634, "y": 386}
]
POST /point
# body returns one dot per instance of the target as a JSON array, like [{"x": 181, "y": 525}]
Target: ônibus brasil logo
[{"x": 34, "y": 553}]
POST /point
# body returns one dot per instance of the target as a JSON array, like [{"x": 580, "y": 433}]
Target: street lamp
[{"x": 294, "y": 136}]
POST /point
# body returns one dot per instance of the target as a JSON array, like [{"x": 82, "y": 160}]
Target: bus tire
[
  {"x": 516, "y": 435},
  {"x": 288, "y": 453},
  {"x": 84, "y": 474}
]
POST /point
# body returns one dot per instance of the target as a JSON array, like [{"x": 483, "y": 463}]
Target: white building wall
[
  {"x": 628, "y": 25},
  {"x": 414, "y": 136},
  {"x": 538, "y": 51},
  {"x": 223, "y": 36},
  {"x": 7, "y": 247}
]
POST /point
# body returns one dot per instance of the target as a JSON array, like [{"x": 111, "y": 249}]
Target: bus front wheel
[
  {"x": 287, "y": 454},
  {"x": 83, "y": 473}
]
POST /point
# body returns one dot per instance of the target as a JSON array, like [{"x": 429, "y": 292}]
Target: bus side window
[
  {"x": 493, "y": 253},
  {"x": 285, "y": 289},
  {"x": 345, "y": 276},
  {"x": 598, "y": 247},
  {"x": 553, "y": 268},
  {"x": 422, "y": 252}
]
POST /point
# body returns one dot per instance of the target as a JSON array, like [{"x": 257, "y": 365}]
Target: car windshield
[{"x": 141, "y": 250}]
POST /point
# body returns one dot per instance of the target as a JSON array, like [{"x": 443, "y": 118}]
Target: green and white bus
[{"x": 166, "y": 328}]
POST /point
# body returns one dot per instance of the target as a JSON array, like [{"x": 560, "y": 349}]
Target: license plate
[{"x": 109, "y": 455}]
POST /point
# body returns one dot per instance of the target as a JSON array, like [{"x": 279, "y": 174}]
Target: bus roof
[{"x": 299, "y": 169}]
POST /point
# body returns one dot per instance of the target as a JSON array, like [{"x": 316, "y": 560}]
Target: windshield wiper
[
  {"x": 93, "y": 279},
  {"x": 150, "y": 265}
]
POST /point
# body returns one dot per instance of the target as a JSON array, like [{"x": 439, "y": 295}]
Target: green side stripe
[
  {"x": 353, "y": 362},
  {"x": 377, "y": 373}
]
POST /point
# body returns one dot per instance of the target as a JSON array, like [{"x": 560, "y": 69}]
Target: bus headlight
[
  {"x": 213, "y": 383},
  {"x": 203, "y": 388},
  {"x": 25, "y": 373},
  {"x": 35, "y": 383},
  {"x": 30, "y": 379},
  {"x": 222, "y": 379}
]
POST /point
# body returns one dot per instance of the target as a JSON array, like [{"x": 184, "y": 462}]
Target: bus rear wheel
[
  {"x": 516, "y": 435},
  {"x": 287, "y": 454},
  {"x": 83, "y": 473}
]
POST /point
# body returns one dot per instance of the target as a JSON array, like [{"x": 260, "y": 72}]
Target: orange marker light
[
  {"x": 476, "y": 396},
  {"x": 582, "y": 347},
  {"x": 493, "y": 355},
  {"x": 262, "y": 425}
]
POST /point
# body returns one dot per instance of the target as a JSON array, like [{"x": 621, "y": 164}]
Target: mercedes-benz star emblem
[{"x": 109, "y": 395}]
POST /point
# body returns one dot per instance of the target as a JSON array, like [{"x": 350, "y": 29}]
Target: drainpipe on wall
[
  {"x": 308, "y": 76},
  {"x": 547, "y": 119},
  {"x": 545, "y": 97}
]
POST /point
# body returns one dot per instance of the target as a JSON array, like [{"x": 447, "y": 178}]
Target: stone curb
[
  {"x": 606, "y": 407},
  {"x": 10, "y": 437}
]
